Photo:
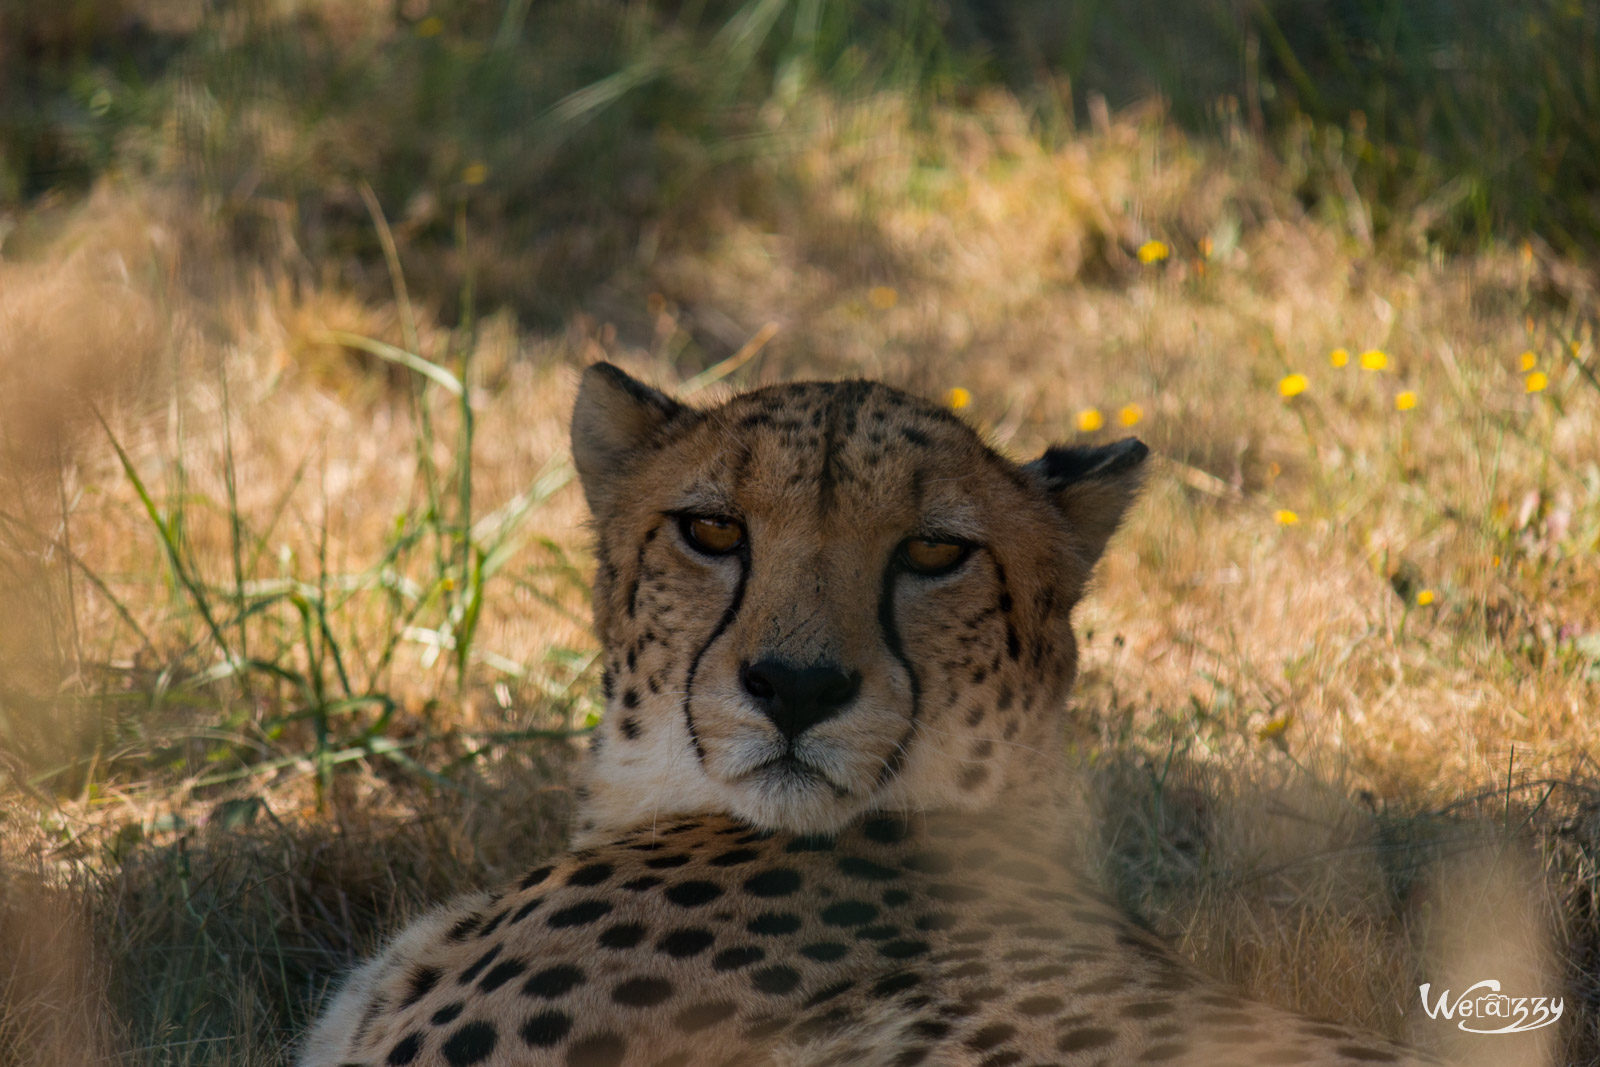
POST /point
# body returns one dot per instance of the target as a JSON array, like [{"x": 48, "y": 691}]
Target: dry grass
[{"x": 1293, "y": 749}]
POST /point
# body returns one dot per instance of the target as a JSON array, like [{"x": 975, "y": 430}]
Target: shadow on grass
[{"x": 216, "y": 944}]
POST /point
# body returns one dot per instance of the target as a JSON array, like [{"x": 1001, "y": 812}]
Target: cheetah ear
[
  {"x": 613, "y": 423},
  {"x": 1092, "y": 488}
]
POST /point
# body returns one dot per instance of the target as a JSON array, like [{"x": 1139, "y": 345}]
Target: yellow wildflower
[
  {"x": 883, "y": 297},
  {"x": 1205, "y": 247},
  {"x": 1274, "y": 727},
  {"x": 957, "y": 398},
  {"x": 1405, "y": 401},
  {"x": 1292, "y": 385},
  {"x": 1130, "y": 414},
  {"x": 1090, "y": 420},
  {"x": 1339, "y": 357},
  {"x": 1529, "y": 361},
  {"x": 1285, "y": 517},
  {"x": 1153, "y": 252},
  {"x": 432, "y": 26},
  {"x": 1424, "y": 598},
  {"x": 474, "y": 173},
  {"x": 1374, "y": 359},
  {"x": 1536, "y": 382}
]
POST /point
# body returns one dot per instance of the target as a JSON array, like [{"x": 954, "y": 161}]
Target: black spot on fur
[
  {"x": 580, "y": 914},
  {"x": 1042, "y": 1005},
  {"x": 472, "y": 1043},
  {"x": 683, "y": 943},
  {"x": 776, "y": 980},
  {"x": 991, "y": 1036},
  {"x": 886, "y": 830},
  {"x": 732, "y": 959},
  {"x": 773, "y": 923},
  {"x": 898, "y": 982},
  {"x": 405, "y": 1051},
  {"x": 881, "y": 932},
  {"x": 500, "y": 974},
  {"x": 423, "y": 979},
  {"x": 534, "y": 877},
  {"x": 699, "y": 1017},
  {"x": 483, "y": 961},
  {"x": 856, "y": 867},
  {"x": 553, "y": 982},
  {"x": 546, "y": 1029},
  {"x": 849, "y": 913},
  {"x": 642, "y": 883},
  {"x": 735, "y": 857},
  {"x": 693, "y": 894},
  {"x": 663, "y": 863},
  {"x": 629, "y": 727},
  {"x": 447, "y": 1014},
  {"x": 777, "y": 882},
  {"x": 622, "y": 935},
  {"x": 824, "y": 951},
  {"x": 641, "y": 992},
  {"x": 597, "y": 1050},
  {"x": 812, "y": 843},
  {"x": 903, "y": 949},
  {"x": 463, "y": 927}
]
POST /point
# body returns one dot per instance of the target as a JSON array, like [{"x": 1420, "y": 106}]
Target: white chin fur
[
  {"x": 828, "y": 783},
  {"x": 800, "y": 793},
  {"x": 779, "y": 799}
]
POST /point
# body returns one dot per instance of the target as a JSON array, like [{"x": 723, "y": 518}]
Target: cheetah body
[{"x": 823, "y": 821}]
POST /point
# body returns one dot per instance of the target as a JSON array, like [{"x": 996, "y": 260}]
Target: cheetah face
[{"x": 823, "y": 598}]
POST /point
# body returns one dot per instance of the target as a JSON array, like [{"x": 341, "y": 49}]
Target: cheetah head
[{"x": 819, "y": 599}]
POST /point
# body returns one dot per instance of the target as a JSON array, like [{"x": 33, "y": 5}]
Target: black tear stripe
[
  {"x": 638, "y": 569},
  {"x": 694, "y": 665},
  {"x": 1013, "y": 642},
  {"x": 891, "y": 639}
]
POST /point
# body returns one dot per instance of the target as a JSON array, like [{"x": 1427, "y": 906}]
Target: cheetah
[{"x": 822, "y": 817}]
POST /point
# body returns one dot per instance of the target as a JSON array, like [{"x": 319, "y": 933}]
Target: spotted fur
[{"x": 823, "y": 818}]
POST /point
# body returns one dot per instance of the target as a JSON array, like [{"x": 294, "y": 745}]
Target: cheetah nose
[{"x": 798, "y": 698}]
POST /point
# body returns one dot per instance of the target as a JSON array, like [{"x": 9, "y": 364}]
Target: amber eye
[
  {"x": 713, "y": 536},
  {"x": 933, "y": 557}
]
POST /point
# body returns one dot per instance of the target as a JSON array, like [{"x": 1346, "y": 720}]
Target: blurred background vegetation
[
  {"x": 292, "y": 294},
  {"x": 577, "y": 126}
]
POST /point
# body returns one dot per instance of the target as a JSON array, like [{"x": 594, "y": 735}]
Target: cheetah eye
[
  {"x": 929, "y": 557},
  {"x": 712, "y": 535}
]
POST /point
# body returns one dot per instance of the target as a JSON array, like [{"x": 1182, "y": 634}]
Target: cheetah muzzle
[{"x": 822, "y": 821}]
